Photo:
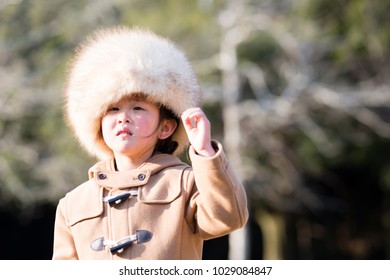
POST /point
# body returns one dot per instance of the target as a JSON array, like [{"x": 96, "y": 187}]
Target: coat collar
[
  {"x": 86, "y": 201},
  {"x": 105, "y": 175}
]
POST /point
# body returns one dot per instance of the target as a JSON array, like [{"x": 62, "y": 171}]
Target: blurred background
[{"x": 297, "y": 91}]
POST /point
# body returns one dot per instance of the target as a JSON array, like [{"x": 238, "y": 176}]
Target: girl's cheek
[
  {"x": 108, "y": 123},
  {"x": 147, "y": 128}
]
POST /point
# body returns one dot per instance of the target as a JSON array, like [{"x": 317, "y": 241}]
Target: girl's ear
[{"x": 168, "y": 126}]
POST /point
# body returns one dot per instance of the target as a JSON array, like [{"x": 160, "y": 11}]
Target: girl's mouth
[{"x": 123, "y": 132}]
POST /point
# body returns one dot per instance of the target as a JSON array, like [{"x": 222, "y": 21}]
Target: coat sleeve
[
  {"x": 218, "y": 203},
  {"x": 64, "y": 247}
]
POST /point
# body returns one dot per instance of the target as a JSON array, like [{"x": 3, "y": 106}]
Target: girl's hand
[{"x": 198, "y": 130}]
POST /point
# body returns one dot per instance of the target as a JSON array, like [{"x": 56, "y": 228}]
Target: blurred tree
[{"x": 300, "y": 120}]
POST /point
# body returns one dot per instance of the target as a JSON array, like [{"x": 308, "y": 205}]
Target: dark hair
[{"x": 167, "y": 145}]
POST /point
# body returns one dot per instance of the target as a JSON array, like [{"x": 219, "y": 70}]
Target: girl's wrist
[{"x": 206, "y": 152}]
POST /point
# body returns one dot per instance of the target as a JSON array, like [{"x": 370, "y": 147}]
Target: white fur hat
[{"x": 117, "y": 62}]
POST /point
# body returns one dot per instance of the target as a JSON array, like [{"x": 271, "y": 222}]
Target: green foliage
[
  {"x": 263, "y": 49},
  {"x": 358, "y": 35}
]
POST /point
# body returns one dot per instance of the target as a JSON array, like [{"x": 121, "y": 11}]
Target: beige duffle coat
[{"x": 174, "y": 206}]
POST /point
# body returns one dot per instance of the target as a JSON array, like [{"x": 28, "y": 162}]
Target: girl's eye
[
  {"x": 113, "y": 109},
  {"x": 137, "y": 108}
]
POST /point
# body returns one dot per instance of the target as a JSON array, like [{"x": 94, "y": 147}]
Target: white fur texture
[{"x": 118, "y": 62}]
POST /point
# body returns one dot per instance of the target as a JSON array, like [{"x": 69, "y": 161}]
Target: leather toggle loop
[
  {"x": 117, "y": 247},
  {"x": 98, "y": 244}
]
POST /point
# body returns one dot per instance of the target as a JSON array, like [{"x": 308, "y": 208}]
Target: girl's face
[{"x": 131, "y": 127}]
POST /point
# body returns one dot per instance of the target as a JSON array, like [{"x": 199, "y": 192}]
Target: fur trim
[{"x": 117, "y": 62}]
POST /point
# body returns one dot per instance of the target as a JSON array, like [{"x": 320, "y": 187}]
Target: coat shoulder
[
  {"x": 87, "y": 188},
  {"x": 80, "y": 203}
]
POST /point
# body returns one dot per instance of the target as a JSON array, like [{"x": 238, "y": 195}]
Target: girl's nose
[{"x": 123, "y": 118}]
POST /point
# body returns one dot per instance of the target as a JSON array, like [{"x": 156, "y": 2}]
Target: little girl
[{"x": 132, "y": 100}]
